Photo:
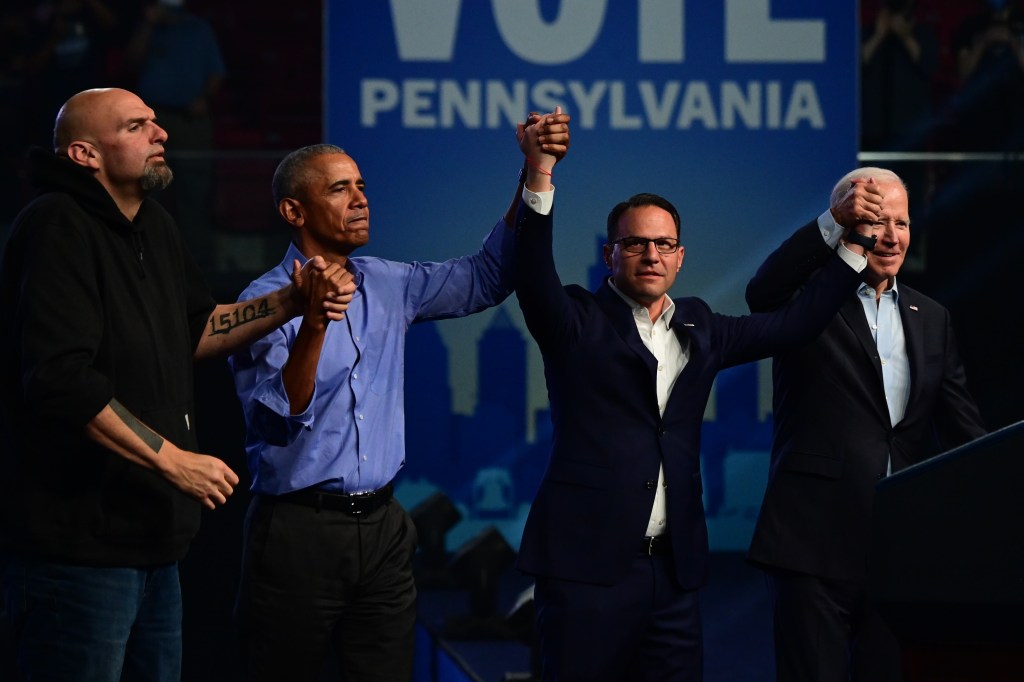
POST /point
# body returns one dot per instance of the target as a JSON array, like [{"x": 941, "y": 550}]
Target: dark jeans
[
  {"x": 313, "y": 580},
  {"x": 90, "y": 624}
]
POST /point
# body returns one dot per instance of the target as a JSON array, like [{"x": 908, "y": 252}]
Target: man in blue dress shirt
[{"x": 328, "y": 552}]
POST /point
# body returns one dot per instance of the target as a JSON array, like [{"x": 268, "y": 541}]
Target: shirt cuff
[
  {"x": 852, "y": 259},
  {"x": 275, "y": 401},
  {"x": 540, "y": 202},
  {"x": 831, "y": 231}
]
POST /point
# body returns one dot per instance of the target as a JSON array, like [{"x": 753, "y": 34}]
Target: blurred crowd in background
[
  {"x": 229, "y": 82},
  {"x": 942, "y": 75},
  {"x": 237, "y": 85}
]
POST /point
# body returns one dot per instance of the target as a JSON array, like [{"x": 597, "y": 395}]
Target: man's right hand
[
  {"x": 322, "y": 290},
  {"x": 205, "y": 479},
  {"x": 861, "y": 203},
  {"x": 544, "y": 138},
  {"x": 330, "y": 292}
]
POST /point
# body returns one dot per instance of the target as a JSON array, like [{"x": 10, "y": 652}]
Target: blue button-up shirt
[
  {"x": 351, "y": 437},
  {"x": 883, "y": 316}
]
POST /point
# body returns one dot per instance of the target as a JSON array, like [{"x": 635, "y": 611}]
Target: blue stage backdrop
[{"x": 741, "y": 112}]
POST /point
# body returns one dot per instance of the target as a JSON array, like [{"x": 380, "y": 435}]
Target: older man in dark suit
[
  {"x": 880, "y": 389},
  {"x": 616, "y": 536}
]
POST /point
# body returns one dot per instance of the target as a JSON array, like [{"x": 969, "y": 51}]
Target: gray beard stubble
[{"x": 156, "y": 177}]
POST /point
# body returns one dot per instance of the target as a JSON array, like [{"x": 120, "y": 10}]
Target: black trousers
[
  {"x": 316, "y": 578},
  {"x": 828, "y": 631},
  {"x": 645, "y": 628}
]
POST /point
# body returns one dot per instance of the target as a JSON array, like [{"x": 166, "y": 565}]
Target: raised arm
[
  {"x": 469, "y": 284},
  {"x": 788, "y": 269},
  {"x": 542, "y": 299},
  {"x": 544, "y": 141}
]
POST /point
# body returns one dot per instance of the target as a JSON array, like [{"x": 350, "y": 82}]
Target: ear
[
  {"x": 291, "y": 211},
  {"x": 84, "y": 154},
  {"x": 679, "y": 259},
  {"x": 607, "y": 253}
]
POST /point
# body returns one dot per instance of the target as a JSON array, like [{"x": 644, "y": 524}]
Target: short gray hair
[
  {"x": 290, "y": 175},
  {"x": 847, "y": 181}
]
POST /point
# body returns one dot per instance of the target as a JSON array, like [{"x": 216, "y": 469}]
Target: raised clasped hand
[
  {"x": 544, "y": 135},
  {"x": 862, "y": 203}
]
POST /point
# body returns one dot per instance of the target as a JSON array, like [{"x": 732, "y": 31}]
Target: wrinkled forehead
[
  {"x": 894, "y": 200},
  {"x": 646, "y": 221},
  {"x": 337, "y": 165},
  {"x": 109, "y": 112},
  {"x": 326, "y": 170},
  {"x": 131, "y": 110}
]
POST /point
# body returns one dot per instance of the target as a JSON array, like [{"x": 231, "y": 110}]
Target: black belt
[
  {"x": 656, "y": 544},
  {"x": 356, "y": 504}
]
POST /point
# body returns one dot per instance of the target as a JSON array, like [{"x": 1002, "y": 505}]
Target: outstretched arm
[
  {"x": 466, "y": 285},
  {"x": 233, "y": 326}
]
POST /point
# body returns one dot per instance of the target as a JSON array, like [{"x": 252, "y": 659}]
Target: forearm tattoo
[
  {"x": 150, "y": 438},
  {"x": 244, "y": 313}
]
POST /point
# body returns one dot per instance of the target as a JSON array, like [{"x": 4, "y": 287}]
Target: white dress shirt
[{"x": 672, "y": 357}]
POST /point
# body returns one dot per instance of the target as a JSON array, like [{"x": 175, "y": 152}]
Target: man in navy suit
[
  {"x": 616, "y": 537},
  {"x": 880, "y": 389}
]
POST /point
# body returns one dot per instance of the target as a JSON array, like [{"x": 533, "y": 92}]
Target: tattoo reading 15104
[{"x": 243, "y": 314}]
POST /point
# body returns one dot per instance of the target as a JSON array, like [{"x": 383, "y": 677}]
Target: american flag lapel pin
[{"x": 913, "y": 307}]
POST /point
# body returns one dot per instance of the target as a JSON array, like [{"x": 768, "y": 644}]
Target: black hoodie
[{"x": 98, "y": 307}]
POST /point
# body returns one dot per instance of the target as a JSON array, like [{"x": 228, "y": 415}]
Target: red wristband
[{"x": 534, "y": 164}]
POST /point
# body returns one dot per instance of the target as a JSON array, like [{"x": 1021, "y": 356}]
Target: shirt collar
[
  {"x": 864, "y": 289},
  {"x": 667, "y": 310}
]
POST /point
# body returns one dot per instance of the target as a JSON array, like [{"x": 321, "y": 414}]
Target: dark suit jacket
[
  {"x": 832, "y": 435},
  {"x": 595, "y": 499}
]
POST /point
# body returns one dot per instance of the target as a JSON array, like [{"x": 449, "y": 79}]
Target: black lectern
[{"x": 947, "y": 560}]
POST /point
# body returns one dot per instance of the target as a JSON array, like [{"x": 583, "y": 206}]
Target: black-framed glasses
[{"x": 639, "y": 244}]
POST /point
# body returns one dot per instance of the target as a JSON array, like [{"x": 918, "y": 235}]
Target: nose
[
  {"x": 888, "y": 233},
  {"x": 358, "y": 196},
  {"x": 651, "y": 253},
  {"x": 158, "y": 134}
]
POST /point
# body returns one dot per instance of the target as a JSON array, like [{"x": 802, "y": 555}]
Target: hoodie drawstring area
[{"x": 137, "y": 242}]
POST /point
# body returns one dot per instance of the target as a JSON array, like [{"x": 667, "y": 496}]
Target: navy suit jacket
[
  {"x": 832, "y": 432},
  {"x": 594, "y": 501}
]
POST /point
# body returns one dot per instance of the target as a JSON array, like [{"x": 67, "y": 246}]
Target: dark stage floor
[{"x": 737, "y": 629}]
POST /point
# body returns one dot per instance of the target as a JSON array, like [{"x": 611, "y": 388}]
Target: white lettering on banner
[
  {"x": 502, "y": 101},
  {"x": 377, "y": 95},
  {"x": 416, "y": 100},
  {"x": 752, "y": 36},
  {"x": 534, "y": 40},
  {"x": 464, "y": 104},
  {"x": 618, "y": 105},
  {"x": 426, "y": 30},
  {"x": 661, "y": 31}
]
